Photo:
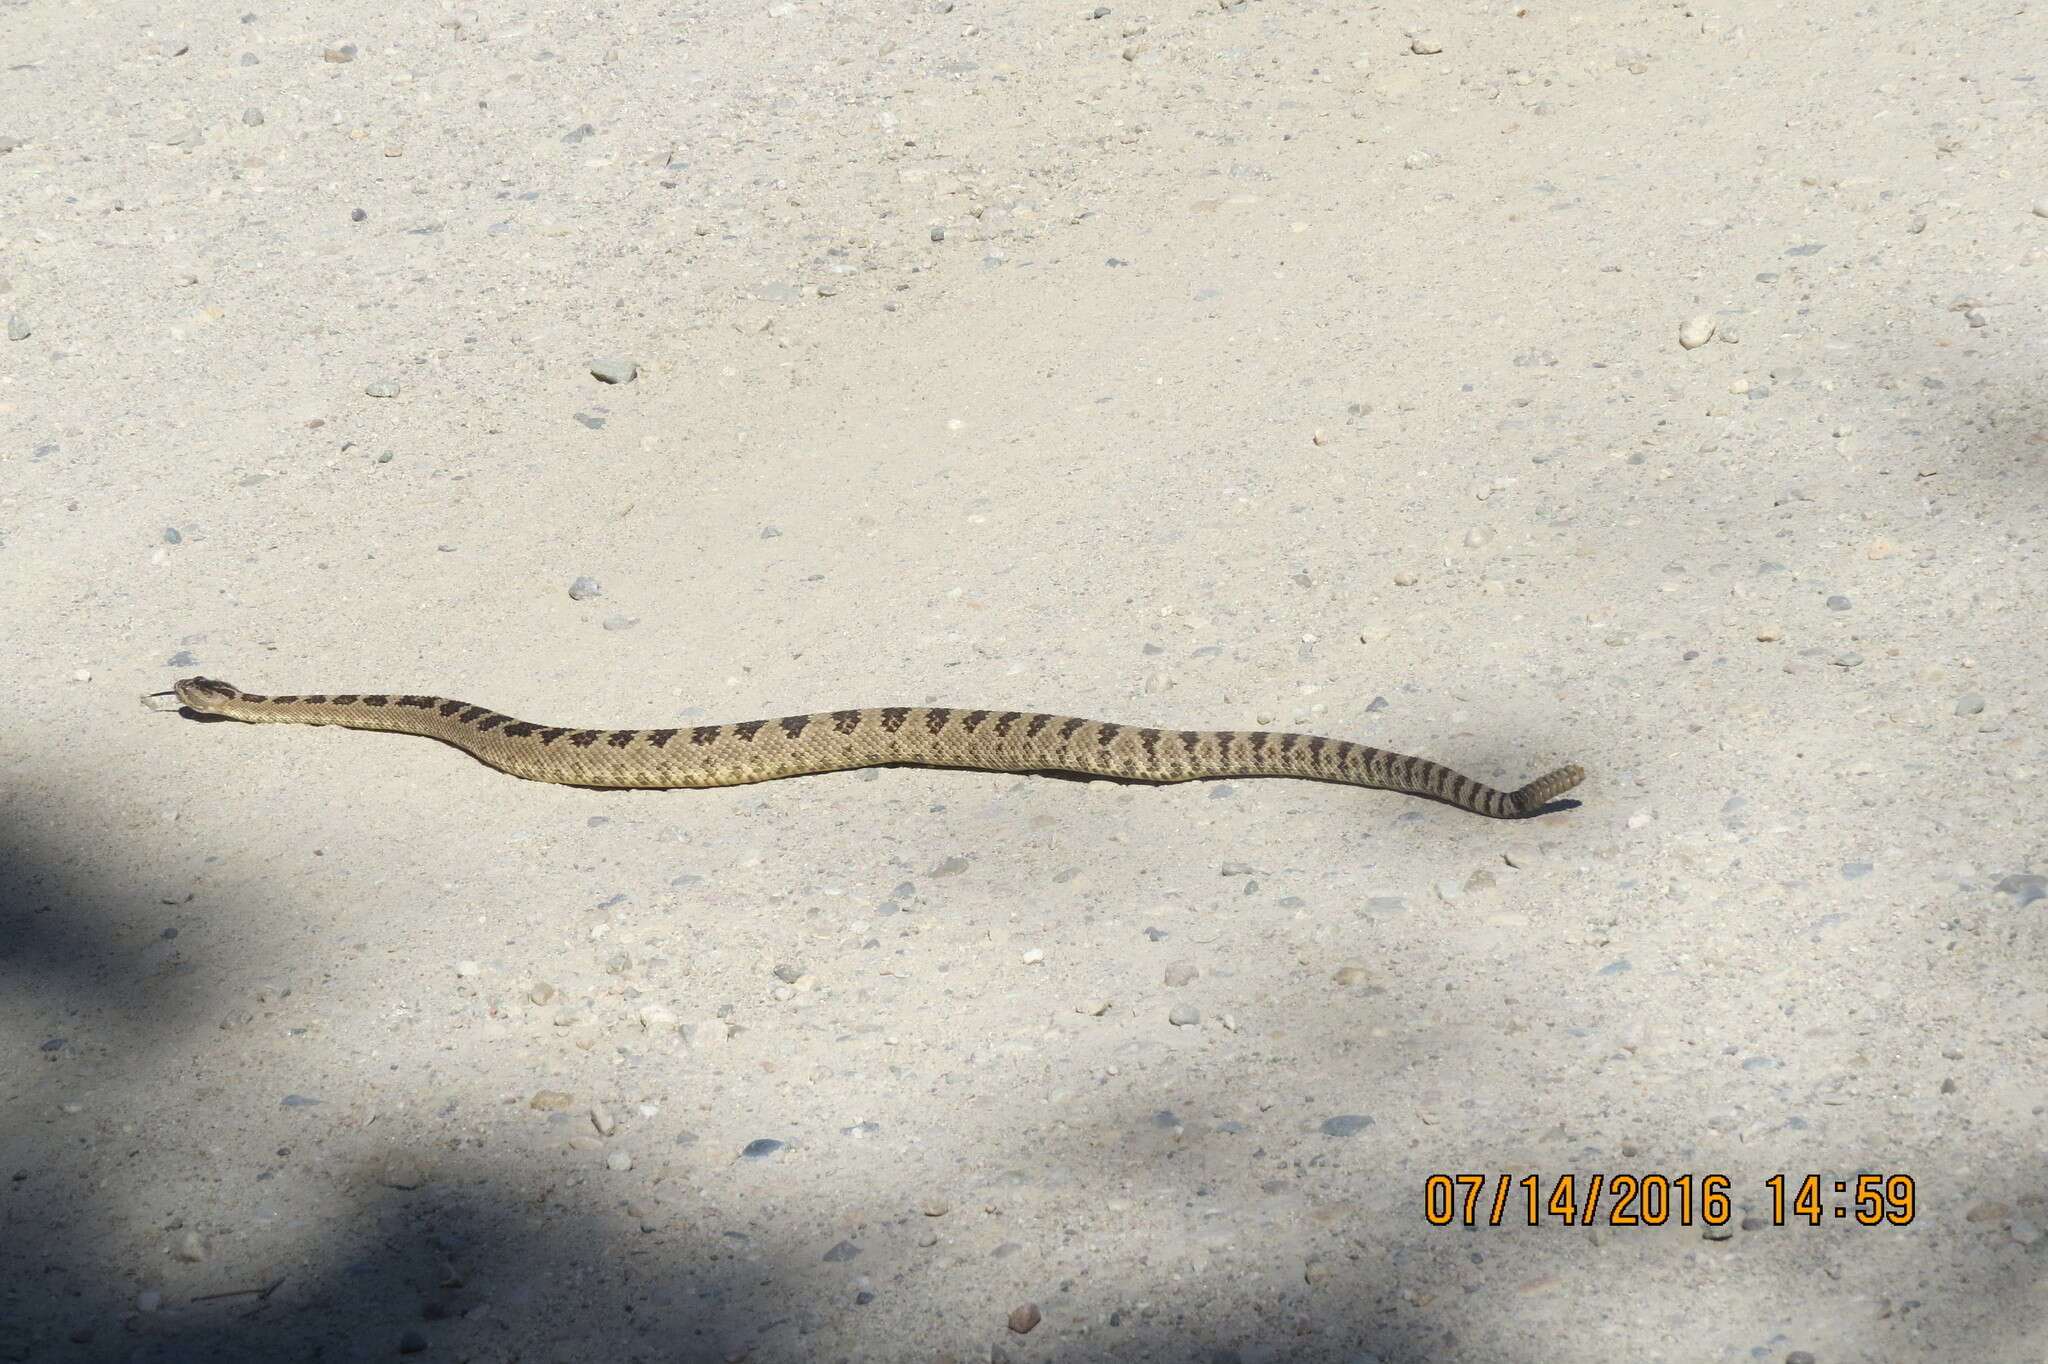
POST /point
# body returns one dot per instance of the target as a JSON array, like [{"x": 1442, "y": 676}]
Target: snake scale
[{"x": 833, "y": 741}]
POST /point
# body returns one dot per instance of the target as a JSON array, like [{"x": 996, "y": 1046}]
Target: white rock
[{"x": 710, "y": 1032}]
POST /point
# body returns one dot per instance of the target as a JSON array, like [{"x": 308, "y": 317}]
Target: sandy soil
[{"x": 1244, "y": 365}]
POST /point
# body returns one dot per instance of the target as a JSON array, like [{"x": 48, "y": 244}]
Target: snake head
[{"x": 203, "y": 694}]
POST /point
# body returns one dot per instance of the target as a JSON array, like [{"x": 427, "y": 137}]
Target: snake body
[{"x": 833, "y": 741}]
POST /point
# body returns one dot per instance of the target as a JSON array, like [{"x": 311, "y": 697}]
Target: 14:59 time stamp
[{"x": 1653, "y": 1200}]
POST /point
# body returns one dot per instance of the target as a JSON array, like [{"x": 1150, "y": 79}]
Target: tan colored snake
[{"x": 832, "y": 741}]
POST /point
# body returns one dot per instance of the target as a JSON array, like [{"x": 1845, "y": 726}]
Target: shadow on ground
[{"x": 471, "y": 1262}]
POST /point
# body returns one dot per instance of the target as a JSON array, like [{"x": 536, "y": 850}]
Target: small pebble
[
  {"x": 345, "y": 53},
  {"x": 1024, "y": 1318},
  {"x": 1181, "y": 973},
  {"x": 2041, "y": 207},
  {"x": 1970, "y": 704},
  {"x": 541, "y": 992},
  {"x": 619, "y": 1162},
  {"x": 583, "y": 589},
  {"x": 761, "y": 1148},
  {"x": 2024, "y": 887},
  {"x": 614, "y": 371},
  {"x": 18, "y": 328},
  {"x": 1696, "y": 332},
  {"x": 551, "y": 1100},
  {"x": 382, "y": 388},
  {"x": 1184, "y": 1016},
  {"x": 1838, "y": 603},
  {"x": 402, "y": 1172},
  {"x": 1346, "y": 1125},
  {"x": 1422, "y": 45},
  {"x": 1034, "y": 956},
  {"x": 1094, "y": 1008},
  {"x": 252, "y": 118},
  {"x": 1405, "y": 579},
  {"x": 190, "y": 1248},
  {"x": 602, "y": 1119}
]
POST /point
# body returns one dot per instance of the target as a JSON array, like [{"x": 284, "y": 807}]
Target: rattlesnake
[{"x": 832, "y": 741}]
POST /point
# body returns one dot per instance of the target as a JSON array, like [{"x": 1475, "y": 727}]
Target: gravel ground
[{"x": 1650, "y": 387}]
